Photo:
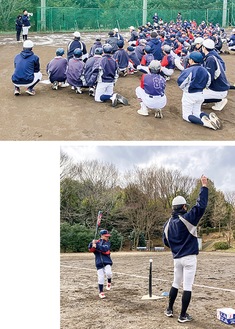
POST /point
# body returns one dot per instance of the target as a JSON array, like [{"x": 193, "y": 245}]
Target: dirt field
[
  {"x": 123, "y": 308},
  {"x": 65, "y": 116}
]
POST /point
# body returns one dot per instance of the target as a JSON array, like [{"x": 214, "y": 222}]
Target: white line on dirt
[{"x": 146, "y": 277}]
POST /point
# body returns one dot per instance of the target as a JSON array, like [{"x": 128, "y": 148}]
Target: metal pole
[
  {"x": 150, "y": 277},
  {"x": 145, "y": 4},
  {"x": 43, "y": 15},
  {"x": 224, "y": 19}
]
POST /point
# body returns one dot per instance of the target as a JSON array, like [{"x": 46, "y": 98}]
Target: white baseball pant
[
  {"x": 107, "y": 270},
  {"x": 103, "y": 88},
  {"x": 37, "y": 76},
  {"x": 211, "y": 94},
  {"x": 191, "y": 104},
  {"x": 184, "y": 271},
  {"x": 152, "y": 102}
]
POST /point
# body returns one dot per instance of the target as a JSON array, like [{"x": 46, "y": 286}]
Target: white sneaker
[
  {"x": 78, "y": 90},
  {"x": 220, "y": 105},
  {"x": 208, "y": 123},
  {"x": 158, "y": 114},
  {"x": 63, "y": 84},
  {"x": 102, "y": 295},
  {"x": 108, "y": 287},
  {"x": 213, "y": 117},
  {"x": 114, "y": 99},
  {"x": 143, "y": 112}
]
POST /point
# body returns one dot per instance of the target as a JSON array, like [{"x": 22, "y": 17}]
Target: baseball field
[
  {"x": 124, "y": 307},
  {"x": 62, "y": 115}
]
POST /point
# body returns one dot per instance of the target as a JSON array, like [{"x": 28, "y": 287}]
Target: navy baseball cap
[
  {"x": 105, "y": 233},
  {"x": 130, "y": 48},
  {"x": 196, "y": 57}
]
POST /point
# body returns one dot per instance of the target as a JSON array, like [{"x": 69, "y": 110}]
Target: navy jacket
[
  {"x": 26, "y": 63},
  {"x": 73, "y": 45},
  {"x": 102, "y": 253},
  {"x": 156, "y": 48},
  {"x": 214, "y": 65},
  {"x": 108, "y": 70},
  {"x": 194, "y": 79},
  {"x": 180, "y": 240},
  {"x": 25, "y": 20},
  {"x": 122, "y": 58},
  {"x": 19, "y": 24}
]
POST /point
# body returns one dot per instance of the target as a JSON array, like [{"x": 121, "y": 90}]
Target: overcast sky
[{"x": 216, "y": 162}]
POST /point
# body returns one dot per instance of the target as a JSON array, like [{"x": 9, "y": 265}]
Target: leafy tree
[
  {"x": 74, "y": 238},
  {"x": 142, "y": 241},
  {"x": 116, "y": 240}
]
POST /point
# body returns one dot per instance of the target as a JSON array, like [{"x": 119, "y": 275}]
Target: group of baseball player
[
  {"x": 155, "y": 51},
  {"x": 180, "y": 235}
]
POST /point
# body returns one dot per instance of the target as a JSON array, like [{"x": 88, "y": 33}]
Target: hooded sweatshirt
[{"x": 26, "y": 64}]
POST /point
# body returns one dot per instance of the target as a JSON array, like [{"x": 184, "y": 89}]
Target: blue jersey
[
  {"x": 153, "y": 84},
  {"x": 56, "y": 69},
  {"x": 75, "y": 71},
  {"x": 91, "y": 70}
]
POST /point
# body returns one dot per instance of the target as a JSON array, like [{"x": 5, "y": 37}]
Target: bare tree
[
  {"x": 230, "y": 197},
  {"x": 220, "y": 210},
  {"x": 161, "y": 184},
  {"x": 67, "y": 167},
  {"x": 101, "y": 175}
]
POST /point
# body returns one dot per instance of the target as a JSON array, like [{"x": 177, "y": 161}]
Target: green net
[{"x": 70, "y": 19}]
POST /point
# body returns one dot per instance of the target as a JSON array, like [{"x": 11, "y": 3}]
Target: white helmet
[
  {"x": 208, "y": 43},
  {"x": 198, "y": 40},
  {"x": 178, "y": 200},
  {"x": 28, "y": 44},
  {"x": 166, "y": 49},
  {"x": 76, "y": 34}
]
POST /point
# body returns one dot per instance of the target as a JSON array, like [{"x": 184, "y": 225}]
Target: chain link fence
[{"x": 62, "y": 19}]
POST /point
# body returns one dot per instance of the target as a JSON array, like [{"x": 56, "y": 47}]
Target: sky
[{"x": 215, "y": 162}]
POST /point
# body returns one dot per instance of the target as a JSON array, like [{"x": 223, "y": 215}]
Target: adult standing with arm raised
[
  {"x": 180, "y": 235},
  {"x": 26, "y": 24}
]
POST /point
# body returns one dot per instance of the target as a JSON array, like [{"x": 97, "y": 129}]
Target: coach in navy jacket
[
  {"x": 26, "y": 64},
  {"x": 180, "y": 235}
]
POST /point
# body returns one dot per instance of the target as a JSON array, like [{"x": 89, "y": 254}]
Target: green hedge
[{"x": 221, "y": 245}]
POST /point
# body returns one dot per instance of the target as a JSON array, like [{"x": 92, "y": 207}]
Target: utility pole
[
  {"x": 43, "y": 15},
  {"x": 145, "y": 4},
  {"x": 224, "y": 19}
]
